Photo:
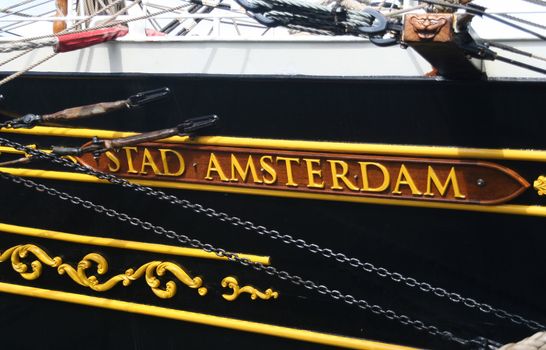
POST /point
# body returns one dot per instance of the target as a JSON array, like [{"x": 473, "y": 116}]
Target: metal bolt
[{"x": 480, "y": 182}]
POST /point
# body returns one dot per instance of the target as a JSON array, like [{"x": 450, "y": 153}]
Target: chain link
[
  {"x": 270, "y": 270},
  {"x": 287, "y": 239}
]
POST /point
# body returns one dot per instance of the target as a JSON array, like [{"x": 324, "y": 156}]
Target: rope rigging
[
  {"x": 6, "y": 9},
  {"x": 27, "y": 45},
  {"x": 382, "y": 29},
  {"x": 524, "y": 21}
]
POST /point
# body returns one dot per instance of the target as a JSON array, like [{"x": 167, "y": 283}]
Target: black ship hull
[{"x": 492, "y": 256}]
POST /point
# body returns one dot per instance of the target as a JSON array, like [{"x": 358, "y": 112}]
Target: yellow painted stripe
[
  {"x": 10, "y": 150},
  {"x": 211, "y": 320},
  {"x": 317, "y": 146},
  {"x": 516, "y": 209},
  {"x": 123, "y": 244}
]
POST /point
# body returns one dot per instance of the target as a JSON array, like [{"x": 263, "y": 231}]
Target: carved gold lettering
[
  {"x": 404, "y": 178},
  {"x": 312, "y": 173},
  {"x": 268, "y": 168},
  {"x": 165, "y": 162},
  {"x": 288, "y": 164},
  {"x": 114, "y": 164},
  {"x": 336, "y": 175},
  {"x": 130, "y": 165},
  {"x": 365, "y": 180},
  {"x": 148, "y": 161},
  {"x": 432, "y": 178},
  {"x": 214, "y": 166},
  {"x": 236, "y": 167}
]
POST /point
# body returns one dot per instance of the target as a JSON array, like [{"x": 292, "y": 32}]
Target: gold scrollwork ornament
[
  {"x": 22, "y": 251},
  {"x": 540, "y": 185},
  {"x": 231, "y": 282},
  {"x": 149, "y": 271}
]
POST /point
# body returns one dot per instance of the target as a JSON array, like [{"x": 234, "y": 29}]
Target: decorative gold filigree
[
  {"x": 20, "y": 252},
  {"x": 149, "y": 271},
  {"x": 540, "y": 185},
  {"x": 231, "y": 282}
]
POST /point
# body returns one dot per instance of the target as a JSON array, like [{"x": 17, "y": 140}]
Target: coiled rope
[{"x": 303, "y": 15}]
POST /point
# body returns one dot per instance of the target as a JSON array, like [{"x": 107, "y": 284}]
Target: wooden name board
[{"x": 421, "y": 179}]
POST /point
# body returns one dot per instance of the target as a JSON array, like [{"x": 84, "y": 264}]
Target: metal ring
[
  {"x": 266, "y": 21},
  {"x": 378, "y": 26}
]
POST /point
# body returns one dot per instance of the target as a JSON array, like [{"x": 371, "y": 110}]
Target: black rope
[
  {"x": 524, "y": 21},
  {"x": 513, "y": 50},
  {"x": 521, "y": 64}
]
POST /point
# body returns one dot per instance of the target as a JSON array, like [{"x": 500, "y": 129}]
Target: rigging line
[
  {"x": 20, "y": 54},
  {"x": 19, "y": 12},
  {"x": 28, "y": 45},
  {"x": 106, "y": 25},
  {"x": 34, "y": 65},
  {"x": 471, "y": 9},
  {"x": 514, "y": 50},
  {"x": 402, "y": 11},
  {"x": 22, "y": 23},
  {"x": 536, "y": 2},
  {"x": 285, "y": 238},
  {"x": 16, "y": 5},
  {"x": 270, "y": 270},
  {"x": 122, "y": 10},
  {"x": 23, "y": 71},
  {"x": 102, "y": 26},
  {"x": 62, "y": 32},
  {"x": 520, "y": 64},
  {"x": 524, "y": 21}
]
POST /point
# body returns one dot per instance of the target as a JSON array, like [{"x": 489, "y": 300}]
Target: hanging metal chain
[
  {"x": 285, "y": 238},
  {"x": 270, "y": 270}
]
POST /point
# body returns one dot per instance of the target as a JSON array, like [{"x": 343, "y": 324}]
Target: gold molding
[
  {"x": 205, "y": 319},
  {"x": 514, "y": 209},
  {"x": 322, "y": 146},
  {"x": 122, "y": 244},
  {"x": 231, "y": 282},
  {"x": 540, "y": 185},
  {"x": 78, "y": 275}
]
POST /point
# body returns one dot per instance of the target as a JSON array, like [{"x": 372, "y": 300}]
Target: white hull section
[{"x": 303, "y": 56}]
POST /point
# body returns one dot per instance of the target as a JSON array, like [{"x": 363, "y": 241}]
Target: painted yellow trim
[
  {"x": 122, "y": 244},
  {"x": 318, "y": 146},
  {"x": 10, "y": 150},
  {"x": 210, "y": 320},
  {"x": 516, "y": 209}
]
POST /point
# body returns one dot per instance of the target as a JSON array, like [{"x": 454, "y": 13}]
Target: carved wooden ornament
[
  {"x": 429, "y": 27},
  {"x": 420, "y": 179}
]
